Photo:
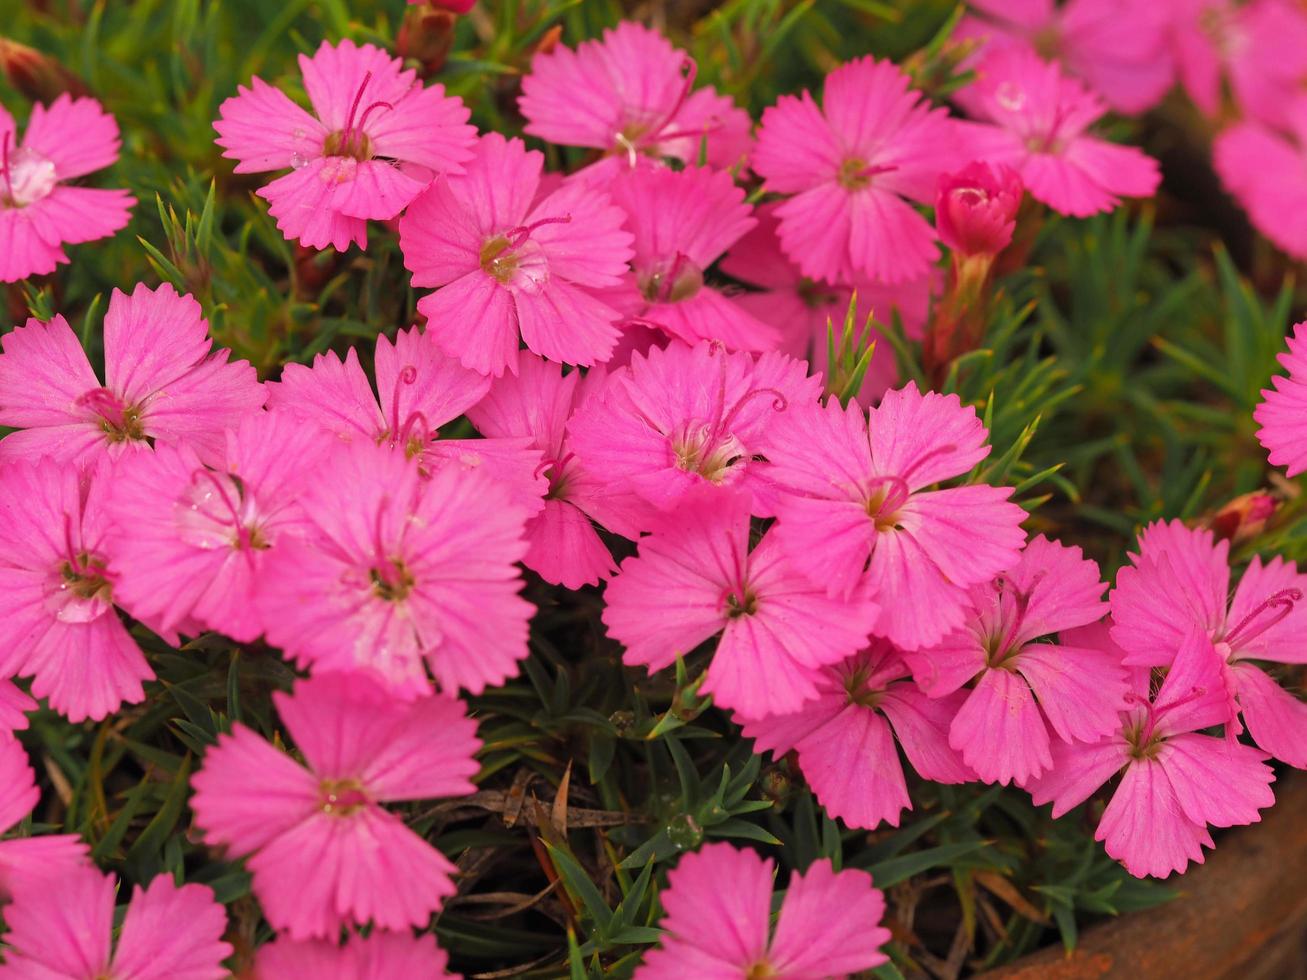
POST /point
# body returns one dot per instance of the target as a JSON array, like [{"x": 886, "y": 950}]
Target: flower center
[
  {"x": 342, "y": 797},
  {"x": 352, "y": 142},
  {"x": 119, "y": 422},
  {"x": 760, "y": 971},
  {"x": 696, "y": 448},
  {"x": 344, "y": 143},
  {"x": 392, "y": 581},
  {"x": 25, "y": 176},
  {"x": 673, "y": 281},
  {"x": 217, "y": 511},
  {"x": 740, "y": 603},
  {"x": 515, "y": 260},
  {"x": 888, "y": 495},
  {"x": 855, "y": 173},
  {"x": 859, "y": 691}
]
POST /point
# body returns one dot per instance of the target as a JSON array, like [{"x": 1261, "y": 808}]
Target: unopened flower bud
[
  {"x": 35, "y": 75},
  {"x": 426, "y": 36},
  {"x": 975, "y": 212},
  {"x": 1243, "y": 518}
]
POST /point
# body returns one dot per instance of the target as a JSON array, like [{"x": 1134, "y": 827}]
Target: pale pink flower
[
  {"x": 630, "y": 94},
  {"x": 1120, "y": 47},
  {"x": 378, "y": 956},
  {"x": 718, "y": 921},
  {"x": 1180, "y": 580},
  {"x": 1265, "y": 169},
  {"x": 189, "y": 541},
  {"x": 374, "y": 141},
  {"x": 697, "y": 579},
  {"x": 845, "y": 738},
  {"x": 28, "y": 861},
  {"x": 855, "y": 511},
  {"x": 40, "y": 212},
  {"x": 853, "y": 165},
  {"x": 1026, "y": 690},
  {"x": 57, "y": 619},
  {"x": 1282, "y": 413},
  {"x": 163, "y": 383},
  {"x": 510, "y": 265},
  {"x": 322, "y": 849},
  {"x": 682, "y": 222},
  {"x": 65, "y": 931},
  {"x": 976, "y": 208},
  {"x": 804, "y": 310},
  {"x": 1036, "y": 120},
  {"x": 419, "y": 389},
  {"x": 535, "y": 405},
  {"x": 685, "y": 422},
  {"x": 396, "y": 573},
  {"x": 1175, "y": 782}
]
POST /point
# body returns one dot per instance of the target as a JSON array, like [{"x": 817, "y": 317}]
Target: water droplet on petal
[
  {"x": 298, "y": 161},
  {"x": 1010, "y": 96}
]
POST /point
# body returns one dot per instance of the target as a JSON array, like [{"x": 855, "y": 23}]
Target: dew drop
[
  {"x": 1010, "y": 96},
  {"x": 298, "y": 161}
]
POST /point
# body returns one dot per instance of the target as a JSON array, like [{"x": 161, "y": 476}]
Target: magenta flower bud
[{"x": 975, "y": 212}]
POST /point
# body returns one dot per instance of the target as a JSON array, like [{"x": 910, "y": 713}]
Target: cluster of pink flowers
[{"x": 851, "y": 585}]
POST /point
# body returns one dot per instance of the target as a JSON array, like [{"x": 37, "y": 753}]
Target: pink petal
[
  {"x": 825, "y": 924},
  {"x": 333, "y": 394},
  {"x": 300, "y": 204},
  {"x": 43, "y": 371},
  {"x": 1000, "y": 731},
  {"x": 1196, "y": 693},
  {"x": 1063, "y": 589},
  {"x": 1078, "y": 770},
  {"x": 815, "y": 228},
  {"x": 440, "y": 388},
  {"x": 970, "y": 533},
  {"x": 61, "y": 932},
  {"x": 474, "y": 319},
  {"x": 264, "y": 130},
  {"x": 28, "y": 863},
  {"x": 14, "y": 706},
  {"x": 590, "y": 247},
  {"x": 1144, "y": 828},
  {"x": 565, "y": 548},
  {"x": 373, "y": 957},
  {"x": 334, "y": 78},
  {"x": 73, "y": 215},
  {"x": 563, "y": 322},
  {"x": 709, "y": 315},
  {"x": 1269, "y": 636},
  {"x": 172, "y": 933},
  {"x": 889, "y": 241},
  {"x": 796, "y": 146},
  {"x": 919, "y": 604},
  {"x": 23, "y": 252},
  {"x": 425, "y": 127},
  {"x": 1276, "y": 719},
  {"x": 1217, "y": 781},
  {"x": 925, "y": 438},
  {"x": 76, "y": 135},
  {"x": 373, "y": 189},
  {"x": 1081, "y": 691},
  {"x": 921, "y": 724}
]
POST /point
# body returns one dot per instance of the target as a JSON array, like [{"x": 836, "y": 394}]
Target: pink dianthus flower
[
  {"x": 853, "y": 165},
  {"x": 511, "y": 265},
  {"x": 1023, "y": 688},
  {"x": 1282, "y": 414},
  {"x": 845, "y": 737},
  {"x": 65, "y": 931},
  {"x": 855, "y": 511},
  {"x": 1174, "y": 781},
  {"x": 39, "y": 211},
  {"x": 189, "y": 541},
  {"x": 1180, "y": 580},
  {"x": 698, "y": 578},
  {"x": 25, "y": 861},
  {"x": 1036, "y": 120},
  {"x": 682, "y": 222},
  {"x": 396, "y": 573},
  {"x": 630, "y": 94},
  {"x": 535, "y": 405},
  {"x": 1264, "y": 167},
  {"x": 378, "y": 956},
  {"x": 1118, "y": 46},
  {"x": 684, "y": 422},
  {"x": 374, "y": 141},
  {"x": 163, "y": 383},
  {"x": 57, "y": 618},
  {"x": 419, "y": 389},
  {"x": 1265, "y": 45},
  {"x": 718, "y": 921},
  {"x": 322, "y": 849}
]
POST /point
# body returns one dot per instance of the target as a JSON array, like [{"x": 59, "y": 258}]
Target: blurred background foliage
[{"x": 1118, "y": 374}]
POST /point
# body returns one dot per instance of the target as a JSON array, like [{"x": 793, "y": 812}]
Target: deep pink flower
[
  {"x": 803, "y": 310},
  {"x": 65, "y": 931},
  {"x": 25, "y": 861},
  {"x": 630, "y": 94},
  {"x": 1118, "y": 46},
  {"x": 855, "y": 511},
  {"x": 1175, "y": 781},
  {"x": 697, "y": 579},
  {"x": 976, "y": 208},
  {"x": 718, "y": 921},
  {"x": 1025, "y": 689},
  {"x": 682, "y": 222},
  {"x": 511, "y": 265},
  {"x": 850, "y": 165},
  {"x": 845, "y": 737},
  {"x": 189, "y": 541},
  {"x": 1265, "y": 169},
  {"x": 1265, "y": 45},
  {"x": 396, "y": 574},
  {"x": 419, "y": 389},
  {"x": 374, "y": 141},
  {"x": 39, "y": 211},
  {"x": 322, "y": 849},
  {"x": 535, "y": 406},
  {"x": 379, "y": 956},
  {"x": 57, "y": 620},
  {"x": 163, "y": 383},
  {"x": 1201, "y": 34},
  {"x": 685, "y": 422},
  {"x": 1282, "y": 414},
  {"x": 1180, "y": 580},
  {"x": 1035, "y": 119}
]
